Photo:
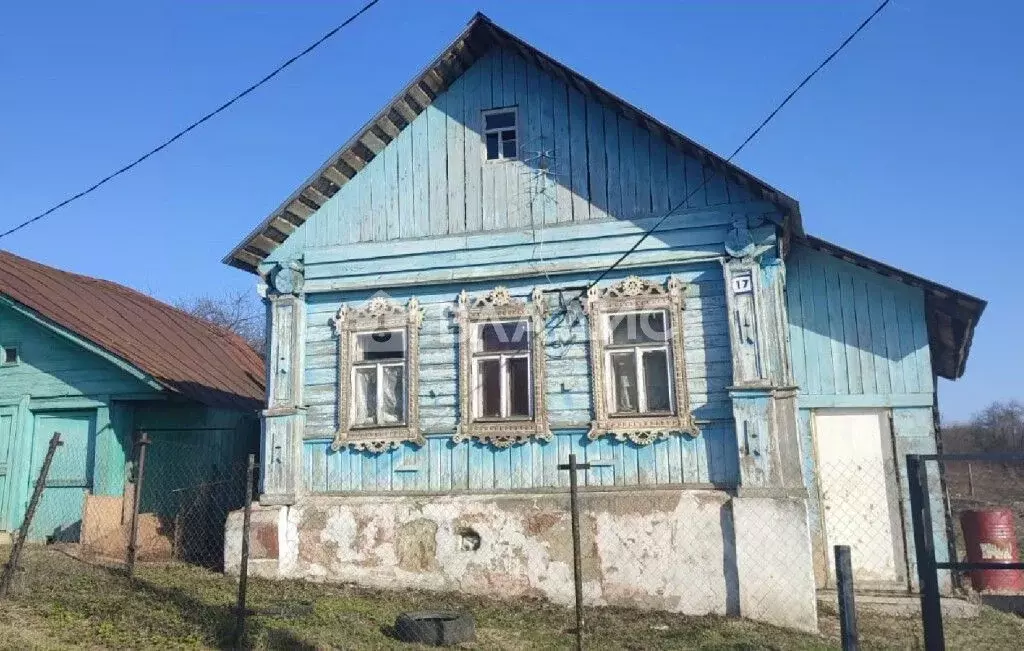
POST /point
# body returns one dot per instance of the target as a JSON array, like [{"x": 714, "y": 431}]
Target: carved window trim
[
  {"x": 498, "y": 305},
  {"x": 635, "y": 294},
  {"x": 376, "y": 315}
]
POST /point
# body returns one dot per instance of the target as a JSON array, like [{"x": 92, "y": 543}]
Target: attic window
[
  {"x": 10, "y": 356},
  {"x": 501, "y": 134}
]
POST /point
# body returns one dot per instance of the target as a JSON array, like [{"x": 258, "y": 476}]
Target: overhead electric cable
[{"x": 223, "y": 107}]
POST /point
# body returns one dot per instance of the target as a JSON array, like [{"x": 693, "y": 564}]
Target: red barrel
[{"x": 990, "y": 537}]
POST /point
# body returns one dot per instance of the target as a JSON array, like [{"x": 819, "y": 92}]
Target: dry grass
[{"x": 62, "y": 602}]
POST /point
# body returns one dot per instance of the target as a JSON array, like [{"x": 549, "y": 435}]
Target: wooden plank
[
  {"x": 406, "y": 170},
  {"x": 921, "y": 346},
  {"x": 695, "y": 187},
  {"x": 794, "y": 308},
  {"x": 456, "y": 129},
  {"x": 517, "y": 174},
  {"x": 648, "y": 467},
  {"x": 392, "y": 192},
  {"x": 563, "y": 152},
  {"x": 822, "y": 352},
  {"x": 675, "y": 460},
  {"x": 419, "y": 224},
  {"x": 502, "y": 458},
  {"x": 689, "y": 458},
  {"x": 377, "y": 174},
  {"x": 499, "y": 169},
  {"x": 437, "y": 132},
  {"x": 532, "y": 144},
  {"x": 892, "y": 343},
  {"x": 642, "y": 156},
  {"x": 488, "y": 176},
  {"x": 578, "y": 156},
  {"x": 627, "y": 169},
  {"x": 548, "y": 145},
  {"x": 863, "y": 319},
  {"x": 908, "y": 357},
  {"x": 661, "y": 460},
  {"x": 850, "y": 337},
  {"x": 835, "y": 331},
  {"x": 611, "y": 158},
  {"x": 473, "y": 149},
  {"x": 630, "y": 464},
  {"x": 715, "y": 187}
]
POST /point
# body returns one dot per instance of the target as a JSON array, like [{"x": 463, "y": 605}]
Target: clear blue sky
[{"x": 906, "y": 149}]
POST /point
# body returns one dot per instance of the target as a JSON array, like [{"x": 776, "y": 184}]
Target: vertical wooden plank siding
[
  {"x": 578, "y": 155},
  {"x": 455, "y": 141},
  {"x": 433, "y": 179},
  {"x": 853, "y": 332}
]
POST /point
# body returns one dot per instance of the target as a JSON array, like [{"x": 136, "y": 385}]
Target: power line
[
  {"x": 223, "y": 107},
  {"x": 746, "y": 141}
]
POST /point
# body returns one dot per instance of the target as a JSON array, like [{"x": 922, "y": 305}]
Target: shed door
[
  {"x": 59, "y": 516},
  {"x": 6, "y": 444},
  {"x": 858, "y": 494}
]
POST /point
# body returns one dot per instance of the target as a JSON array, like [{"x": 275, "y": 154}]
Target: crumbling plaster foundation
[{"x": 692, "y": 551}]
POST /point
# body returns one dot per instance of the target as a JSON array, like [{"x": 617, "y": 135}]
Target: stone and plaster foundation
[{"x": 692, "y": 551}]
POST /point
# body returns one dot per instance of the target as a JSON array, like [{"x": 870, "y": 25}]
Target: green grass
[{"x": 61, "y": 602}]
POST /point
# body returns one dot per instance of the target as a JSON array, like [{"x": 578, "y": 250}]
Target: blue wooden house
[
  {"x": 98, "y": 363},
  {"x": 445, "y": 331}
]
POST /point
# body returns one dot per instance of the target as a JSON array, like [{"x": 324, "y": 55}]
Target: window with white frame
[
  {"x": 501, "y": 140},
  {"x": 501, "y": 368},
  {"x": 378, "y": 375},
  {"x": 378, "y": 378},
  {"x": 637, "y": 362}
]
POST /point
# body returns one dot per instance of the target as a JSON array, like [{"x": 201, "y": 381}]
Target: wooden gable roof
[
  {"x": 480, "y": 36},
  {"x": 179, "y": 352}
]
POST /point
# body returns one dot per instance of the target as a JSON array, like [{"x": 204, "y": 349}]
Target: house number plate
[{"x": 742, "y": 284}]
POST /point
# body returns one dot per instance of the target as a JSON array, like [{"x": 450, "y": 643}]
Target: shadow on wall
[{"x": 729, "y": 565}]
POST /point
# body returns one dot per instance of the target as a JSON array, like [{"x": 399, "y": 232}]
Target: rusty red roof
[{"x": 182, "y": 353}]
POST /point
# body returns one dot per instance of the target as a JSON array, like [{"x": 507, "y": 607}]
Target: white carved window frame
[
  {"x": 499, "y": 306},
  {"x": 635, "y": 294},
  {"x": 377, "y": 315}
]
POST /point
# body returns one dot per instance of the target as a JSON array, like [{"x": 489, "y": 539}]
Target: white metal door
[{"x": 856, "y": 501}]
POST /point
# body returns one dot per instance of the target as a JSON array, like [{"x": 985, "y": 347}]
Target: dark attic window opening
[
  {"x": 501, "y": 134},
  {"x": 10, "y": 356}
]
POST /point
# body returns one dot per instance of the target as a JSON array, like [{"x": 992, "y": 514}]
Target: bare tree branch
[{"x": 239, "y": 311}]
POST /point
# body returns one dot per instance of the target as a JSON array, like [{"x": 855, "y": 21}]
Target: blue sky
[{"x": 906, "y": 148}]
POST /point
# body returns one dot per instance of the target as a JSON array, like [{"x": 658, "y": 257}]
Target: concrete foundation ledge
[{"x": 691, "y": 551}]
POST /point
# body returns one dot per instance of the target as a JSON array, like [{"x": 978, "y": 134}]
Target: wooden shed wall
[{"x": 855, "y": 334}]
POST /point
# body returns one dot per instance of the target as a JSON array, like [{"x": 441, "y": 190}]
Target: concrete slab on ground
[{"x": 901, "y": 605}]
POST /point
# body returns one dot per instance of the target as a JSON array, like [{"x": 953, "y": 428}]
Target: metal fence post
[
  {"x": 33, "y": 503},
  {"x": 133, "y": 534},
  {"x": 577, "y": 558},
  {"x": 243, "y": 569},
  {"x": 924, "y": 544},
  {"x": 847, "y": 605}
]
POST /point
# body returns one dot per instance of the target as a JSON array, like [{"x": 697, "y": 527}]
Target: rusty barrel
[{"x": 990, "y": 537}]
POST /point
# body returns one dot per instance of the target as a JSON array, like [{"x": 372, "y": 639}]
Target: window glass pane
[
  {"x": 492, "y": 146},
  {"x": 638, "y": 328},
  {"x": 489, "y": 377},
  {"x": 519, "y": 386},
  {"x": 624, "y": 389},
  {"x": 393, "y": 400},
  {"x": 380, "y": 345},
  {"x": 508, "y": 145},
  {"x": 656, "y": 380},
  {"x": 500, "y": 120},
  {"x": 365, "y": 396},
  {"x": 513, "y": 335}
]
